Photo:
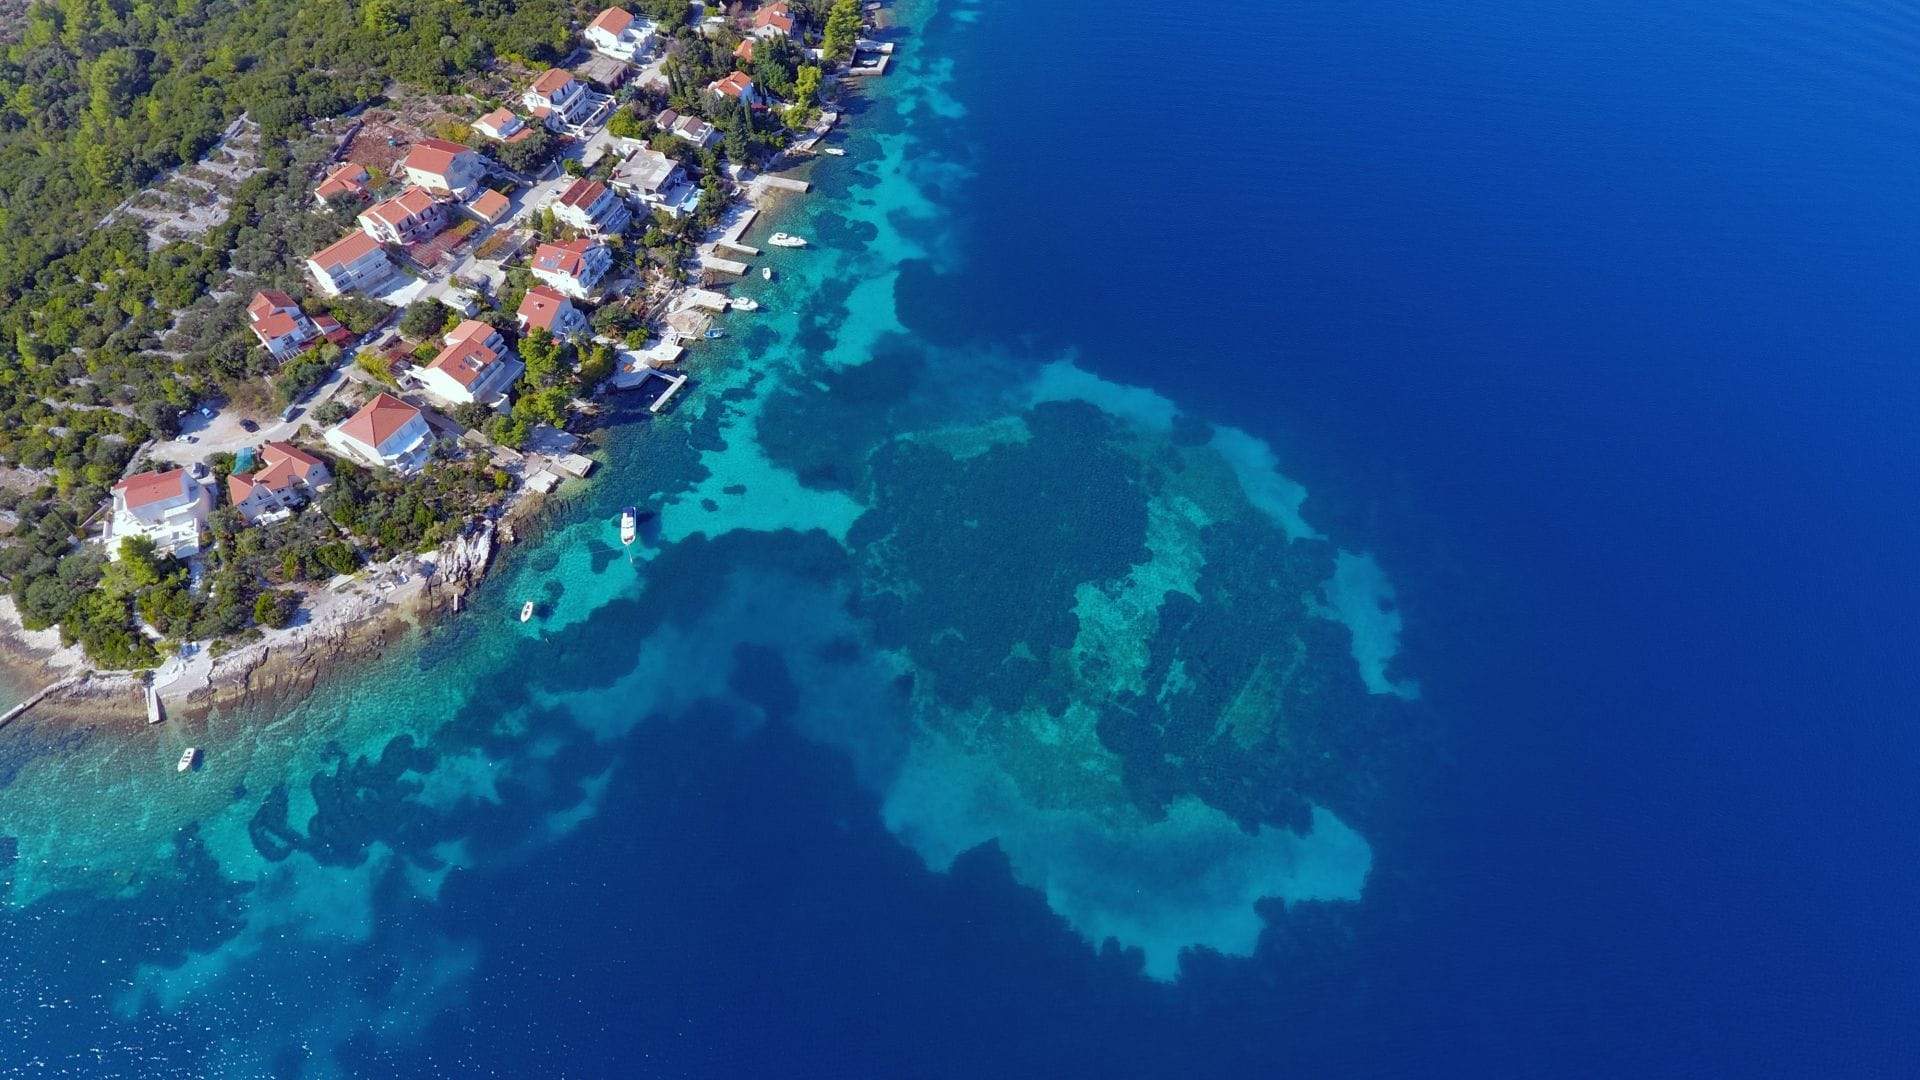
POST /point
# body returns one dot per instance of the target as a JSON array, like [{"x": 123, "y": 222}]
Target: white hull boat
[
  {"x": 787, "y": 240},
  {"x": 526, "y": 611},
  {"x": 188, "y": 758}
]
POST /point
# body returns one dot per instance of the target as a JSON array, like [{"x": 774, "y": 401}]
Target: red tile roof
[
  {"x": 583, "y": 193},
  {"x": 467, "y": 355},
  {"x": 541, "y": 307},
  {"x": 568, "y": 258},
  {"x": 378, "y": 419},
  {"x": 777, "y": 15},
  {"x": 147, "y": 488},
  {"x": 733, "y": 85},
  {"x": 275, "y": 324},
  {"x": 489, "y": 205},
  {"x": 551, "y": 82},
  {"x": 434, "y": 156},
  {"x": 267, "y": 301},
  {"x": 397, "y": 211},
  {"x": 613, "y": 20},
  {"x": 354, "y": 245},
  {"x": 281, "y": 465},
  {"x": 342, "y": 180},
  {"x": 744, "y": 50}
]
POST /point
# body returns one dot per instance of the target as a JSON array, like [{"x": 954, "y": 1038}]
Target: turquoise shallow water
[{"x": 1022, "y": 606}]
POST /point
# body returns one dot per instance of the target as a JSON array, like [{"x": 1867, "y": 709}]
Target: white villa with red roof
[
  {"x": 167, "y": 507},
  {"x": 737, "y": 86},
  {"x": 573, "y": 267},
  {"x": 590, "y": 206},
  {"x": 279, "y": 323},
  {"x": 385, "y": 433},
  {"x": 445, "y": 168},
  {"x": 286, "y": 478},
  {"x": 558, "y": 99},
  {"x": 352, "y": 262},
  {"x": 347, "y": 179},
  {"x": 501, "y": 125},
  {"x": 773, "y": 20},
  {"x": 475, "y": 366},
  {"x": 545, "y": 308},
  {"x": 407, "y": 218},
  {"x": 617, "y": 33}
]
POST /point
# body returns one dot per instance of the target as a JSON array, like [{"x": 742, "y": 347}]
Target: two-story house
[
  {"x": 279, "y": 323},
  {"x": 617, "y": 33},
  {"x": 386, "y": 433},
  {"x": 558, "y": 99},
  {"x": 407, "y": 218},
  {"x": 286, "y": 478},
  {"x": 447, "y": 169},
  {"x": 546, "y": 308},
  {"x": 572, "y": 267},
  {"x": 475, "y": 366},
  {"x": 591, "y": 206},
  {"x": 168, "y": 507},
  {"x": 355, "y": 261}
]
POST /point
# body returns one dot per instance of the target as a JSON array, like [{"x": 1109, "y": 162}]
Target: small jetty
[
  {"x": 155, "y": 713},
  {"x": 707, "y": 298},
  {"x": 45, "y": 692},
  {"x": 723, "y": 266}
]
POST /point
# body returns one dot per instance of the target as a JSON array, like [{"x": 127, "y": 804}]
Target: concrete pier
[
  {"x": 72, "y": 680},
  {"x": 724, "y": 266}
]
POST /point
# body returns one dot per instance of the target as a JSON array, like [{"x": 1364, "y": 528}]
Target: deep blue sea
[{"x": 1358, "y": 540}]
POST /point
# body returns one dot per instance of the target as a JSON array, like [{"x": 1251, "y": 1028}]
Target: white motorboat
[
  {"x": 787, "y": 240},
  {"x": 526, "y": 611},
  {"x": 629, "y": 525},
  {"x": 766, "y": 273},
  {"x": 188, "y": 758},
  {"x": 744, "y": 303},
  {"x": 835, "y": 151}
]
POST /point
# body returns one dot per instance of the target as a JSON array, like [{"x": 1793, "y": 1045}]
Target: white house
[
  {"x": 656, "y": 181},
  {"x": 407, "y": 218},
  {"x": 279, "y": 323},
  {"x": 737, "y": 86},
  {"x": 354, "y": 261},
  {"x": 167, "y": 507},
  {"x": 689, "y": 127},
  {"x": 618, "y": 34},
  {"x": 287, "y": 477},
  {"x": 501, "y": 125},
  {"x": 475, "y": 366},
  {"x": 559, "y": 99},
  {"x": 385, "y": 433},
  {"x": 590, "y": 206},
  {"x": 444, "y": 168},
  {"x": 773, "y": 20},
  {"x": 548, "y": 309},
  {"x": 573, "y": 267}
]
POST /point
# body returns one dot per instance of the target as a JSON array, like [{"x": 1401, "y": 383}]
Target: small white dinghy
[
  {"x": 188, "y": 759},
  {"x": 526, "y": 611},
  {"x": 766, "y": 273}
]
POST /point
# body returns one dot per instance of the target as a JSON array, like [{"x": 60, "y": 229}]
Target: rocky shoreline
[{"x": 272, "y": 674}]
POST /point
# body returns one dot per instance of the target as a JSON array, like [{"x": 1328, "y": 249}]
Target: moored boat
[
  {"x": 715, "y": 335},
  {"x": 526, "y": 611},
  {"x": 744, "y": 303},
  {"x": 766, "y": 273},
  {"x": 788, "y": 240},
  {"x": 188, "y": 758},
  {"x": 629, "y": 524},
  {"x": 835, "y": 151}
]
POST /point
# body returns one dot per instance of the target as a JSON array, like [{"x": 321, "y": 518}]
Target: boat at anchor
[{"x": 787, "y": 240}]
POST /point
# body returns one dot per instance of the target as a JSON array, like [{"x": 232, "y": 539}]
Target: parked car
[
  {"x": 248, "y": 425},
  {"x": 206, "y": 412},
  {"x": 292, "y": 411}
]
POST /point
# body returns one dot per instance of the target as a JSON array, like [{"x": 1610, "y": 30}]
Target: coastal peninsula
[{"x": 287, "y": 365}]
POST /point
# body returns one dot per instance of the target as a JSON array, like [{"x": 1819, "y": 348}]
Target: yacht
[
  {"x": 526, "y": 611},
  {"x": 629, "y": 525},
  {"x": 744, "y": 303},
  {"x": 781, "y": 239},
  {"x": 188, "y": 758},
  {"x": 835, "y": 151}
]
